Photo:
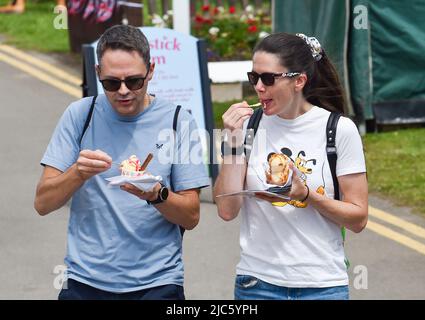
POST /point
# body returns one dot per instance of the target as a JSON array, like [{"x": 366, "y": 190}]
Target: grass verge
[
  {"x": 34, "y": 29},
  {"x": 396, "y": 166}
]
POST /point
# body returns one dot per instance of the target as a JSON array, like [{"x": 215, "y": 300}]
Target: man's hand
[
  {"x": 150, "y": 195},
  {"x": 91, "y": 162}
]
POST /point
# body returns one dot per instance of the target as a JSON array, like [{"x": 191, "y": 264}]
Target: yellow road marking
[
  {"x": 42, "y": 76},
  {"x": 58, "y": 73},
  {"x": 395, "y": 236},
  {"x": 410, "y": 227}
]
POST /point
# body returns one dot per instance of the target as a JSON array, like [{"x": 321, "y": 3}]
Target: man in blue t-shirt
[{"x": 123, "y": 242}]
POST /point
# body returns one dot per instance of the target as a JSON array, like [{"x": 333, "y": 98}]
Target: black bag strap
[
  {"x": 331, "y": 149},
  {"x": 331, "y": 127},
  {"x": 332, "y": 158},
  {"x": 251, "y": 131},
  {"x": 176, "y": 116},
  {"x": 89, "y": 116}
]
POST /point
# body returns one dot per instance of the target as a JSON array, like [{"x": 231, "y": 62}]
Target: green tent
[{"x": 378, "y": 47}]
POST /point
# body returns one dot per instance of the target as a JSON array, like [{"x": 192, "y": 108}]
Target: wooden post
[
  {"x": 192, "y": 8},
  {"x": 152, "y": 7},
  {"x": 133, "y": 13},
  {"x": 245, "y": 4},
  {"x": 165, "y": 6},
  {"x": 232, "y": 3}
]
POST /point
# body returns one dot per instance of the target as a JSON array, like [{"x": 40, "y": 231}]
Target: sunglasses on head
[
  {"x": 268, "y": 78},
  {"x": 132, "y": 83}
]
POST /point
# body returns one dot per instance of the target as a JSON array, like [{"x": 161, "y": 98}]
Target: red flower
[
  {"x": 251, "y": 21},
  {"x": 252, "y": 29},
  {"x": 216, "y": 11},
  {"x": 205, "y": 7},
  {"x": 232, "y": 9},
  {"x": 199, "y": 19}
]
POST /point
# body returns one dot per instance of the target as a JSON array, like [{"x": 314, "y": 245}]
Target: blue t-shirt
[{"x": 116, "y": 241}]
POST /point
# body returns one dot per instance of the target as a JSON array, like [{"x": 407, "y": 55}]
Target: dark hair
[
  {"x": 323, "y": 87},
  {"x": 126, "y": 38}
]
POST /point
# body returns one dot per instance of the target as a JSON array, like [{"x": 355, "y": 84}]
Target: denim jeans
[{"x": 252, "y": 288}]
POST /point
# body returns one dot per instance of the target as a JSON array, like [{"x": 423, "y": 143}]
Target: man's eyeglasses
[
  {"x": 132, "y": 83},
  {"x": 268, "y": 78}
]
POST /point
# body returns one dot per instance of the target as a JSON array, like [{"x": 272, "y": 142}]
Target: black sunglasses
[
  {"x": 268, "y": 78},
  {"x": 132, "y": 83}
]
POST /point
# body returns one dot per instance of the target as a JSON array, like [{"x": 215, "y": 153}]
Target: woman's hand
[
  {"x": 233, "y": 120},
  {"x": 298, "y": 190}
]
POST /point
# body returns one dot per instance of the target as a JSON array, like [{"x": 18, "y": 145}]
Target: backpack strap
[
  {"x": 89, "y": 116},
  {"x": 331, "y": 149},
  {"x": 176, "y": 116},
  {"x": 251, "y": 131},
  {"x": 332, "y": 158},
  {"x": 331, "y": 127}
]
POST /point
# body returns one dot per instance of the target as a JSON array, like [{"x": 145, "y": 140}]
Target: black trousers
[{"x": 79, "y": 291}]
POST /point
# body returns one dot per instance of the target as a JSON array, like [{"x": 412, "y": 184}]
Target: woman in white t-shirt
[{"x": 293, "y": 249}]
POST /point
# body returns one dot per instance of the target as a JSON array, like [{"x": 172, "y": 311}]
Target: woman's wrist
[
  {"x": 234, "y": 138},
  {"x": 307, "y": 193}
]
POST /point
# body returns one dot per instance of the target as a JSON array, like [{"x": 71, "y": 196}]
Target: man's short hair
[{"x": 124, "y": 37}]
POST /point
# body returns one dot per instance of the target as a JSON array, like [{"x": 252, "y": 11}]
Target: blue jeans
[
  {"x": 80, "y": 291},
  {"x": 252, "y": 288}
]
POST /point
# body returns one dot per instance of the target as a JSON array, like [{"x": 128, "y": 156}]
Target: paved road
[{"x": 31, "y": 246}]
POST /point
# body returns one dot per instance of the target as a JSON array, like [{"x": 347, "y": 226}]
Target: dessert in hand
[
  {"x": 278, "y": 172},
  {"x": 132, "y": 167}
]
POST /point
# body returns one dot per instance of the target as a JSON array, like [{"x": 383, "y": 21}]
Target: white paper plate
[{"x": 145, "y": 182}]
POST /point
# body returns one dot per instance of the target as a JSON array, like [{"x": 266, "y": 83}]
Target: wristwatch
[
  {"x": 162, "y": 195},
  {"x": 233, "y": 151}
]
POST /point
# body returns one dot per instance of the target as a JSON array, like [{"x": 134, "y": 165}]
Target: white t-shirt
[{"x": 288, "y": 245}]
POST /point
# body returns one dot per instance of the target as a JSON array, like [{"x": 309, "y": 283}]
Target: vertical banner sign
[
  {"x": 177, "y": 74},
  {"x": 180, "y": 76}
]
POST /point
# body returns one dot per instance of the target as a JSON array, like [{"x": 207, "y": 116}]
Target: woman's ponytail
[{"x": 325, "y": 89}]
